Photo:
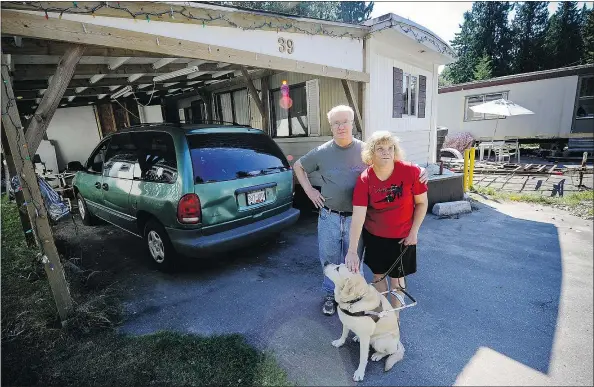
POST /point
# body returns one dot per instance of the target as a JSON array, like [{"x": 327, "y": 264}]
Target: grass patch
[
  {"x": 572, "y": 200},
  {"x": 36, "y": 350}
]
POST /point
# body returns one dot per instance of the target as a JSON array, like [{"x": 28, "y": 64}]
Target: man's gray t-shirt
[{"x": 339, "y": 169}]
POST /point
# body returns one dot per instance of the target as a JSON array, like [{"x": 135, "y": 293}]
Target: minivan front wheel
[
  {"x": 87, "y": 218},
  {"x": 158, "y": 245}
]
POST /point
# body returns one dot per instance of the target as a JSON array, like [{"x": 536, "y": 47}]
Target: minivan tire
[
  {"x": 83, "y": 210},
  {"x": 158, "y": 246}
]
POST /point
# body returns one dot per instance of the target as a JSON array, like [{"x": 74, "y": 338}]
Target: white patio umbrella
[{"x": 501, "y": 107}]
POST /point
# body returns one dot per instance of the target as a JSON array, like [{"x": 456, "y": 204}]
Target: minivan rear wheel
[{"x": 158, "y": 245}]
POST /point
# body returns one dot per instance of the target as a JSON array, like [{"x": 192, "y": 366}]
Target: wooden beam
[
  {"x": 106, "y": 82},
  {"x": 35, "y": 26},
  {"x": 51, "y": 98},
  {"x": 265, "y": 86},
  {"x": 31, "y": 72},
  {"x": 252, "y": 90},
  {"x": 35, "y": 207},
  {"x": 95, "y": 91},
  {"x": 19, "y": 196},
  {"x": 50, "y": 47},
  {"x": 348, "y": 90}
]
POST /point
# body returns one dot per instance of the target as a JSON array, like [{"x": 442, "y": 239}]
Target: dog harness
[{"x": 375, "y": 314}]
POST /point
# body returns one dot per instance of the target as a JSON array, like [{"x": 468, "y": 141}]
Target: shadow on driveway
[{"x": 484, "y": 280}]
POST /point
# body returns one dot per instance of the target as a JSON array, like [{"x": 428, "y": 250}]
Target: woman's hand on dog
[
  {"x": 411, "y": 239},
  {"x": 352, "y": 261}
]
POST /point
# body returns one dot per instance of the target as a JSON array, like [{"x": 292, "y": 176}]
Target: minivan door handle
[
  {"x": 105, "y": 187},
  {"x": 98, "y": 185}
]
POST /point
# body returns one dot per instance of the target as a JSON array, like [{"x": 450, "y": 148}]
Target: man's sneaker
[{"x": 329, "y": 309}]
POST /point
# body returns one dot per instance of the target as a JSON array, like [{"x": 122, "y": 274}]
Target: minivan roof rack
[
  {"x": 211, "y": 122},
  {"x": 151, "y": 124}
]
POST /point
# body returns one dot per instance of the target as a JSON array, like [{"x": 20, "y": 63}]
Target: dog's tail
[{"x": 395, "y": 357}]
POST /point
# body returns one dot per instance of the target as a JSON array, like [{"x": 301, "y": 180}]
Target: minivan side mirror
[{"x": 75, "y": 166}]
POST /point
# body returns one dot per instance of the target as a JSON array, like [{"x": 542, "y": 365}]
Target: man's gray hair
[{"x": 338, "y": 109}]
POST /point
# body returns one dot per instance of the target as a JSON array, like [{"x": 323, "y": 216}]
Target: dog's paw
[
  {"x": 359, "y": 375},
  {"x": 356, "y": 339},
  {"x": 378, "y": 356},
  {"x": 338, "y": 343}
]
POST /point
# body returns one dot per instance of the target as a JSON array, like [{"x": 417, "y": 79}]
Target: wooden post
[
  {"x": 350, "y": 97},
  {"x": 253, "y": 91},
  {"x": 18, "y": 195},
  {"x": 266, "y": 103},
  {"x": 583, "y": 169},
  {"x": 52, "y": 96},
  {"x": 33, "y": 200}
]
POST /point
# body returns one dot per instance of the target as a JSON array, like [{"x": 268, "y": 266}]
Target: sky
[{"x": 443, "y": 18}]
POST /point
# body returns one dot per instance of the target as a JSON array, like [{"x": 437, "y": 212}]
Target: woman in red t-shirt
[{"x": 390, "y": 203}]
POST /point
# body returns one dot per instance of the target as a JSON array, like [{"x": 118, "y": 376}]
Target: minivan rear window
[{"x": 230, "y": 156}]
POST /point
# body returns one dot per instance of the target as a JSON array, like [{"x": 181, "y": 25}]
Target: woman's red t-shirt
[{"x": 391, "y": 203}]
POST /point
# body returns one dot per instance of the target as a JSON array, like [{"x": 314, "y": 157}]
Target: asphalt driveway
[{"x": 504, "y": 297}]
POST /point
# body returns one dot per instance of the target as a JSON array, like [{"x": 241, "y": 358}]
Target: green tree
[
  {"x": 485, "y": 29},
  {"x": 483, "y": 69},
  {"x": 529, "y": 29},
  {"x": 353, "y": 12},
  {"x": 588, "y": 37},
  {"x": 445, "y": 78},
  {"x": 563, "y": 40},
  {"x": 463, "y": 43},
  {"x": 493, "y": 34}
]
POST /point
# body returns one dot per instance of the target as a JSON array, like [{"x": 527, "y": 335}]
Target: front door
[
  {"x": 89, "y": 182},
  {"x": 118, "y": 173}
]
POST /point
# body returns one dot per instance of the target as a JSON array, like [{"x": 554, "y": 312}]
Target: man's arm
[
  {"x": 313, "y": 194},
  {"x": 421, "y": 204},
  {"x": 423, "y": 176},
  {"x": 357, "y": 221}
]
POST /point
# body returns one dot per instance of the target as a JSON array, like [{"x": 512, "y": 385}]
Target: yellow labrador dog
[{"x": 355, "y": 297}]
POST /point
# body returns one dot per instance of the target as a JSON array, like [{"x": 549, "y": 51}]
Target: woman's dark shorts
[{"x": 380, "y": 254}]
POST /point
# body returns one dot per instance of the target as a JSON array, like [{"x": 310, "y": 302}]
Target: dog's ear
[{"x": 354, "y": 287}]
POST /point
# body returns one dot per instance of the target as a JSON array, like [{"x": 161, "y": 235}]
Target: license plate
[{"x": 256, "y": 197}]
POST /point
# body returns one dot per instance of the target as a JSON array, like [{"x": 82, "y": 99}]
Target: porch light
[
  {"x": 121, "y": 92},
  {"x": 174, "y": 74}
]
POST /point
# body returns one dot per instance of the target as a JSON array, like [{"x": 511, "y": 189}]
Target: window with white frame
[
  {"x": 409, "y": 95},
  {"x": 585, "y": 106},
  {"x": 473, "y": 100}
]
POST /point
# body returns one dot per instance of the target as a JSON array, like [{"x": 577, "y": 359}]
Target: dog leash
[{"x": 398, "y": 260}]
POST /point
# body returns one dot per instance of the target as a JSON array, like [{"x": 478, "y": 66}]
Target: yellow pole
[
  {"x": 466, "y": 162},
  {"x": 471, "y": 171}
]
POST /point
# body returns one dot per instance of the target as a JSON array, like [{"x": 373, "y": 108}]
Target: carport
[
  {"x": 78, "y": 71},
  {"x": 128, "y": 63}
]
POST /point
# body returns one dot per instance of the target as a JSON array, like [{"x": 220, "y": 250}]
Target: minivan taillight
[{"x": 188, "y": 209}]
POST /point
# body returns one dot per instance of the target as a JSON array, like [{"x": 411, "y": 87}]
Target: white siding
[
  {"x": 69, "y": 126},
  {"x": 242, "y": 107},
  {"x": 226, "y": 108},
  {"x": 414, "y": 133},
  {"x": 313, "y": 48},
  {"x": 152, "y": 113},
  {"x": 551, "y": 100}
]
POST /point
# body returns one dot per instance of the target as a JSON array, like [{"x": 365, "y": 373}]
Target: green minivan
[{"x": 188, "y": 190}]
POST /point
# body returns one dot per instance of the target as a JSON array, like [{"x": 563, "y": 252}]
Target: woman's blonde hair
[{"x": 382, "y": 137}]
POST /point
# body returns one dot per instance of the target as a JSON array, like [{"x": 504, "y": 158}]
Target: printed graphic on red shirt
[{"x": 390, "y": 203}]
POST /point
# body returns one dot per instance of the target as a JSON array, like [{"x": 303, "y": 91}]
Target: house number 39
[{"x": 285, "y": 45}]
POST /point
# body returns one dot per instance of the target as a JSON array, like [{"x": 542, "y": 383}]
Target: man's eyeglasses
[{"x": 336, "y": 125}]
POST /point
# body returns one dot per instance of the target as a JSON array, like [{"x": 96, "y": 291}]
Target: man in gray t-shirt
[
  {"x": 338, "y": 164},
  {"x": 338, "y": 168}
]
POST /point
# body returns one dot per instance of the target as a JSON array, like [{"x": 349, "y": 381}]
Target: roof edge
[{"x": 519, "y": 78}]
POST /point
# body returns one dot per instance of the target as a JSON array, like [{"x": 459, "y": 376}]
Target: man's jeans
[{"x": 333, "y": 242}]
